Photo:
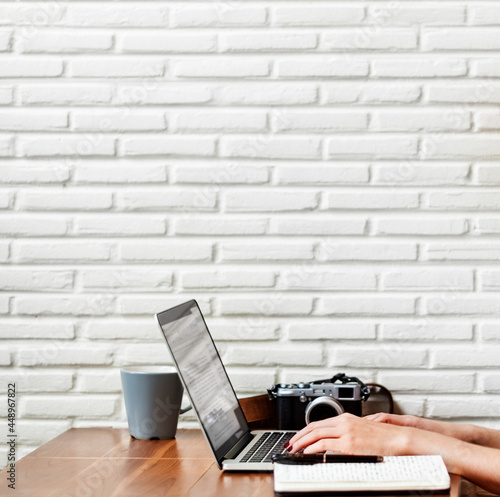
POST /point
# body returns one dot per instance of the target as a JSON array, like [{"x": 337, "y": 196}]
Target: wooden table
[{"x": 107, "y": 462}]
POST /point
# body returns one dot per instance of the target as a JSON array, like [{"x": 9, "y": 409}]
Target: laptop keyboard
[{"x": 269, "y": 444}]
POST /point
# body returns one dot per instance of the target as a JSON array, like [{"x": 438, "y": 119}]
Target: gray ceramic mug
[{"x": 153, "y": 396}]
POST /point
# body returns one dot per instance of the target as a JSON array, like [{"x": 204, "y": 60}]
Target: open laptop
[{"x": 234, "y": 446}]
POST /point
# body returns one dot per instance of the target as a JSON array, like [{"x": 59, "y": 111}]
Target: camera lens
[{"x": 323, "y": 408}]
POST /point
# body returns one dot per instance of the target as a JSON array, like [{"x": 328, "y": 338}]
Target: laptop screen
[{"x": 204, "y": 376}]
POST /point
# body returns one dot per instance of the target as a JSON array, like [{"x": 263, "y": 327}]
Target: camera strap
[{"x": 365, "y": 391}]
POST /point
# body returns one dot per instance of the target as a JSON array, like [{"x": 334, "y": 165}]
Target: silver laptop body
[{"x": 212, "y": 395}]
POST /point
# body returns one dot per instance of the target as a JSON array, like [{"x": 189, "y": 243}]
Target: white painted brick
[
  {"x": 327, "y": 279},
  {"x": 120, "y": 225},
  {"x": 129, "y": 329},
  {"x": 72, "y": 146},
  {"x": 369, "y": 252},
  {"x": 6, "y": 200},
  {"x": 462, "y": 147},
  {"x": 152, "y": 353},
  {"x": 487, "y": 226},
  {"x": 273, "y": 147},
  {"x": 484, "y": 14},
  {"x": 427, "y": 226},
  {"x": 269, "y": 201},
  {"x": 480, "y": 92},
  {"x": 34, "y": 172},
  {"x": 123, "y": 171},
  {"x": 378, "y": 200},
  {"x": 58, "y": 354},
  {"x": 117, "y": 67},
  {"x": 268, "y": 93},
  {"x": 32, "y": 14},
  {"x": 323, "y": 67},
  {"x": 414, "y": 14},
  {"x": 98, "y": 381},
  {"x": 303, "y": 355},
  {"x": 317, "y": 15},
  {"x": 266, "y": 251},
  {"x": 424, "y": 382},
  {"x": 67, "y": 406},
  {"x": 358, "y": 39},
  {"x": 127, "y": 120},
  {"x": 171, "y": 145},
  {"x": 39, "y": 432},
  {"x": 463, "y": 251},
  {"x": 382, "y": 357},
  {"x": 6, "y": 146},
  {"x": 387, "y": 93},
  {"x": 227, "y": 279},
  {"x": 38, "y": 381},
  {"x": 369, "y": 305},
  {"x": 460, "y": 39},
  {"x": 466, "y": 357},
  {"x": 5, "y": 359},
  {"x": 429, "y": 279},
  {"x": 318, "y": 121},
  {"x": 165, "y": 251},
  {"x": 64, "y": 94},
  {"x": 161, "y": 93},
  {"x": 491, "y": 383},
  {"x": 258, "y": 381},
  {"x": 307, "y": 226},
  {"x": 139, "y": 305},
  {"x": 6, "y": 95},
  {"x": 161, "y": 42},
  {"x": 33, "y": 226},
  {"x": 35, "y": 280},
  {"x": 243, "y": 330},
  {"x": 109, "y": 14},
  {"x": 415, "y": 67},
  {"x": 64, "y": 200},
  {"x": 230, "y": 67},
  {"x": 465, "y": 200},
  {"x": 217, "y": 226},
  {"x": 487, "y": 121},
  {"x": 218, "y": 15},
  {"x": 29, "y": 67},
  {"x": 490, "y": 332},
  {"x": 478, "y": 407},
  {"x": 421, "y": 120},
  {"x": 5, "y": 40},
  {"x": 272, "y": 41},
  {"x": 166, "y": 200},
  {"x": 60, "y": 251},
  {"x": 415, "y": 173},
  {"x": 4, "y": 251},
  {"x": 450, "y": 304},
  {"x": 74, "y": 305},
  {"x": 373, "y": 147},
  {"x": 331, "y": 330},
  {"x": 231, "y": 122},
  {"x": 126, "y": 279},
  {"x": 426, "y": 331},
  {"x": 65, "y": 41},
  {"x": 20, "y": 330},
  {"x": 490, "y": 280},
  {"x": 269, "y": 305},
  {"x": 329, "y": 174},
  {"x": 223, "y": 173}
]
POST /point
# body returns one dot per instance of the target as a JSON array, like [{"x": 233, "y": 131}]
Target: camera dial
[{"x": 322, "y": 408}]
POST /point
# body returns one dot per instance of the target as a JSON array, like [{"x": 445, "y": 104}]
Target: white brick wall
[{"x": 323, "y": 178}]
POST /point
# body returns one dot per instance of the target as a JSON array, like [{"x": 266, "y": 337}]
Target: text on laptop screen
[{"x": 204, "y": 376}]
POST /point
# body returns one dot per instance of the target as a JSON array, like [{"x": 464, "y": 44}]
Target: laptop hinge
[{"x": 238, "y": 446}]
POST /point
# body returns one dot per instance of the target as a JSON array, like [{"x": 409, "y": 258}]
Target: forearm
[
  {"x": 472, "y": 434},
  {"x": 477, "y": 464}
]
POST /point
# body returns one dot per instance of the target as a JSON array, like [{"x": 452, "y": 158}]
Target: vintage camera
[{"x": 302, "y": 403}]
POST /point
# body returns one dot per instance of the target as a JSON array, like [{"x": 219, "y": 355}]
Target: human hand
[{"x": 351, "y": 435}]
